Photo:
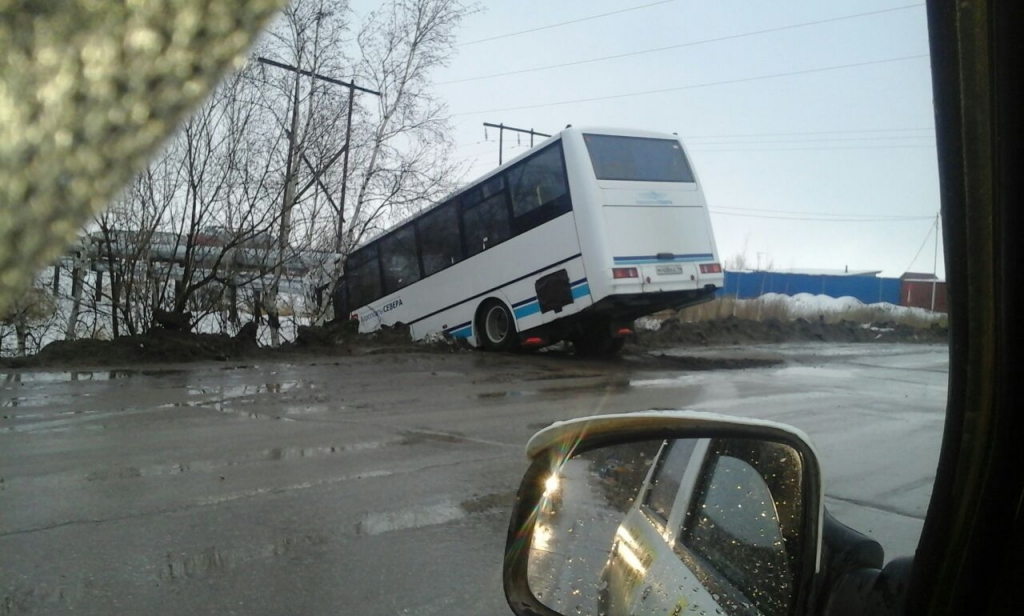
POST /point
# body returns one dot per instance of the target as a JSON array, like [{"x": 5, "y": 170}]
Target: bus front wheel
[{"x": 497, "y": 327}]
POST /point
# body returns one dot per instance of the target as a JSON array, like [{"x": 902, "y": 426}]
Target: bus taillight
[
  {"x": 710, "y": 268},
  {"x": 625, "y": 272}
]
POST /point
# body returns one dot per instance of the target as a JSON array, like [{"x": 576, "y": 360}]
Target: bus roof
[{"x": 568, "y": 130}]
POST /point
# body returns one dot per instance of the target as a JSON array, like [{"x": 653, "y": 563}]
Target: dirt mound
[
  {"x": 733, "y": 331},
  {"x": 160, "y": 345},
  {"x": 157, "y": 345}
]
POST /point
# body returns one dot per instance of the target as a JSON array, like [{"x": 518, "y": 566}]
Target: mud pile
[
  {"x": 159, "y": 345},
  {"x": 733, "y": 331}
]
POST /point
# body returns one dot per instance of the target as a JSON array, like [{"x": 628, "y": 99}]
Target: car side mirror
[{"x": 666, "y": 513}]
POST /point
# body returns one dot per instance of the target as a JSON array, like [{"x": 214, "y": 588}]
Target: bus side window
[
  {"x": 538, "y": 189},
  {"x": 363, "y": 274},
  {"x": 398, "y": 254},
  {"x": 486, "y": 222},
  {"x": 440, "y": 245},
  {"x": 537, "y": 181}
]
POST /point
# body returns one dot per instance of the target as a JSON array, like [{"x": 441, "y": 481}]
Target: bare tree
[
  {"x": 35, "y": 308},
  {"x": 129, "y": 241},
  {"x": 402, "y": 151},
  {"x": 309, "y": 35},
  {"x": 250, "y": 192},
  {"x": 404, "y": 162}
]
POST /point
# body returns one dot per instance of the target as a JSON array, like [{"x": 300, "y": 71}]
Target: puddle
[
  {"x": 275, "y": 454},
  {"x": 488, "y": 502},
  {"x": 216, "y": 500},
  {"x": 671, "y": 361},
  {"x": 213, "y": 560},
  {"x": 83, "y": 375},
  {"x": 562, "y": 376},
  {"x": 405, "y": 519},
  {"x": 607, "y": 386},
  {"x": 416, "y": 437},
  {"x": 30, "y": 402},
  {"x": 814, "y": 373},
  {"x": 675, "y": 381},
  {"x": 67, "y": 420},
  {"x": 226, "y": 392}
]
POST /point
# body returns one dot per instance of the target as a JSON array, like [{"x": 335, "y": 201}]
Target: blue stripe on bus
[
  {"x": 530, "y": 306},
  {"x": 647, "y": 259},
  {"x": 461, "y": 331},
  {"x": 522, "y": 309},
  {"x": 493, "y": 289}
]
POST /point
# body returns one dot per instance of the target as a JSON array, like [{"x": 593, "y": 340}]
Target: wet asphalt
[{"x": 382, "y": 484}]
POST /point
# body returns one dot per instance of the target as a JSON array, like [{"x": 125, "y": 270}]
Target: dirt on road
[
  {"x": 168, "y": 346},
  {"x": 734, "y": 331}
]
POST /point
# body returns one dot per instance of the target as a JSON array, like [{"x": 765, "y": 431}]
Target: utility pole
[
  {"x": 501, "y": 134},
  {"x": 352, "y": 88}
]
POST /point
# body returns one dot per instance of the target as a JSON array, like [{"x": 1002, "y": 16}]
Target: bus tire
[
  {"x": 597, "y": 342},
  {"x": 496, "y": 327}
]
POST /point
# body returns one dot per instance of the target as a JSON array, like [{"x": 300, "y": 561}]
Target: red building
[{"x": 923, "y": 291}]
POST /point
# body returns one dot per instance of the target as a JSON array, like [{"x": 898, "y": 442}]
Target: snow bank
[{"x": 805, "y": 305}]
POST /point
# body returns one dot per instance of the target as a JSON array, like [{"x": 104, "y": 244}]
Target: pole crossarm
[{"x": 289, "y": 67}]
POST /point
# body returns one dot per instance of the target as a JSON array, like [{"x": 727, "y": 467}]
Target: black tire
[
  {"x": 497, "y": 327},
  {"x": 597, "y": 341}
]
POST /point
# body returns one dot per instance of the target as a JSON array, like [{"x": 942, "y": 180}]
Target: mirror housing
[{"x": 552, "y": 447}]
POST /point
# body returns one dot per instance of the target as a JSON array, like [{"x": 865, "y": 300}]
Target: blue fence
[{"x": 868, "y": 289}]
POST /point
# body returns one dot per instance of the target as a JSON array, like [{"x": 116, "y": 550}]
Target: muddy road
[{"x": 382, "y": 484}]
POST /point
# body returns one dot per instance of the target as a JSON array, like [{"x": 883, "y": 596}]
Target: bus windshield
[{"x": 637, "y": 159}]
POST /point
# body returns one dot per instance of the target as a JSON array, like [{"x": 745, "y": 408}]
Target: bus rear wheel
[
  {"x": 497, "y": 327},
  {"x": 598, "y": 341}
]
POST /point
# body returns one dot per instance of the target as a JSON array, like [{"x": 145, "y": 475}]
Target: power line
[
  {"x": 818, "y": 132},
  {"x": 815, "y": 214},
  {"x": 699, "y": 85},
  {"x": 682, "y": 45},
  {"x": 564, "y": 23},
  {"x": 931, "y": 228},
  {"x": 817, "y": 219},
  {"x": 815, "y": 140},
  {"x": 815, "y": 149},
  {"x": 788, "y": 134}
]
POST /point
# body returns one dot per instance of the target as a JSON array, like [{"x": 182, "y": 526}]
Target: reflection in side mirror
[{"x": 711, "y": 525}]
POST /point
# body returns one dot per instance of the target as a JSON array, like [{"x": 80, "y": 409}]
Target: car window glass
[
  {"x": 667, "y": 477},
  {"x": 733, "y": 525}
]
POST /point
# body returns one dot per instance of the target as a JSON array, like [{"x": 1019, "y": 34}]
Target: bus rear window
[{"x": 637, "y": 159}]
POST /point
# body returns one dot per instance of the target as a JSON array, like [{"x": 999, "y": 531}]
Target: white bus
[{"x": 573, "y": 240}]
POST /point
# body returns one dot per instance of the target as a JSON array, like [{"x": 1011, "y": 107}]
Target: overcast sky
[{"x": 786, "y": 128}]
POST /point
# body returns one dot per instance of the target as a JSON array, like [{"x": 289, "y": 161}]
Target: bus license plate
[{"x": 669, "y": 270}]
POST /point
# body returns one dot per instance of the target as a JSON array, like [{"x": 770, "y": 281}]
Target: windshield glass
[
  {"x": 637, "y": 159},
  {"x": 286, "y": 286}
]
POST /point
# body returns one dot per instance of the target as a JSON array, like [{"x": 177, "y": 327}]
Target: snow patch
[{"x": 805, "y": 305}]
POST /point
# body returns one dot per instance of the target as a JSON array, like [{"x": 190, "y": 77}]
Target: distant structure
[
  {"x": 911, "y": 289},
  {"x": 810, "y": 271},
  {"x": 923, "y": 291}
]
